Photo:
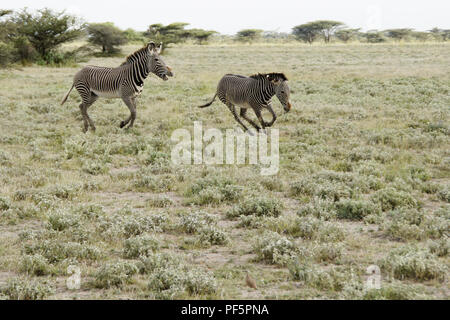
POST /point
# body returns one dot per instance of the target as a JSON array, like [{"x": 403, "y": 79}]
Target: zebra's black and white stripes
[
  {"x": 253, "y": 92},
  {"x": 125, "y": 82}
]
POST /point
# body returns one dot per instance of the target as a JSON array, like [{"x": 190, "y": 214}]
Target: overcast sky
[{"x": 229, "y": 16}]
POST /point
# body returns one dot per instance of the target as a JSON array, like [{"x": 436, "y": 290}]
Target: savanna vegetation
[{"x": 363, "y": 179}]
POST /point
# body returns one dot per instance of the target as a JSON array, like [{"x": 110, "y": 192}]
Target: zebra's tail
[
  {"x": 209, "y": 103},
  {"x": 67, "y": 95}
]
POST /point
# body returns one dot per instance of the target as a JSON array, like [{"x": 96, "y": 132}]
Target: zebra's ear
[
  {"x": 275, "y": 80},
  {"x": 160, "y": 47},
  {"x": 151, "y": 46}
]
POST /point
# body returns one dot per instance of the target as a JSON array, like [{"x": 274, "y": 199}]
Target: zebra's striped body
[
  {"x": 253, "y": 92},
  {"x": 125, "y": 82}
]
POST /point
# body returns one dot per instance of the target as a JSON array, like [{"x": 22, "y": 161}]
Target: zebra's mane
[
  {"x": 135, "y": 55},
  {"x": 271, "y": 75}
]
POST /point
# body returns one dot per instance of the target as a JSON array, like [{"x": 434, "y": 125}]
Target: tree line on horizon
[{"x": 34, "y": 37}]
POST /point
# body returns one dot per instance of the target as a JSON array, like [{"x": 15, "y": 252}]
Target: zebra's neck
[
  {"x": 139, "y": 70},
  {"x": 268, "y": 90}
]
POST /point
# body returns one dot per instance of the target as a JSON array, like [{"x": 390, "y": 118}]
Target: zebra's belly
[
  {"x": 107, "y": 94},
  {"x": 241, "y": 104}
]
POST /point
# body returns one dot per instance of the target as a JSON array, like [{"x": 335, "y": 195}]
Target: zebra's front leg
[
  {"x": 236, "y": 117},
  {"x": 130, "y": 102},
  {"x": 274, "y": 116},
  {"x": 260, "y": 118},
  {"x": 244, "y": 115}
]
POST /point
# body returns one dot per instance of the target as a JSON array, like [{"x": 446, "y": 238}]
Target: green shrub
[
  {"x": 26, "y": 289},
  {"x": 413, "y": 263},
  {"x": 328, "y": 252},
  {"x": 213, "y": 190},
  {"x": 444, "y": 193},
  {"x": 313, "y": 277},
  {"x": 4, "y": 204},
  {"x": 60, "y": 221},
  {"x": 311, "y": 228},
  {"x": 390, "y": 198},
  {"x": 212, "y": 236},
  {"x": 55, "y": 251},
  {"x": 319, "y": 208},
  {"x": 143, "y": 245},
  {"x": 115, "y": 274},
  {"x": 160, "y": 202},
  {"x": 274, "y": 248},
  {"x": 355, "y": 209},
  {"x": 260, "y": 207},
  {"x": 194, "y": 222},
  {"x": 172, "y": 281},
  {"x": 440, "y": 247},
  {"x": 35, "y": 265}
]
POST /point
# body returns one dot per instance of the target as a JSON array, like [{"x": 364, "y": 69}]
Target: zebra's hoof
[{"x": 122, "y": 124}]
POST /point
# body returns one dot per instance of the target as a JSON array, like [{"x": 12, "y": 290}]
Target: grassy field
[{"x": 363, "y": 180}]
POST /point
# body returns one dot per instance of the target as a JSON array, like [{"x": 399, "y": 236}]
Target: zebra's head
[
  {"x": 157, "y": 64},
  {"x": 281, "y": 89}
]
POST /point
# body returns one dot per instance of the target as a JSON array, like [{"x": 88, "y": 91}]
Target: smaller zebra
[
  {"x": 125, "y": 82},
  {"x": 253, "y": 92}
]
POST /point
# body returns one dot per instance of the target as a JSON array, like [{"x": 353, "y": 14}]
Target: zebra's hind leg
[
  {"x": 131, "y": 104},
  {"x": 92, "y": 98},
  {"x": 243, "y": 114},
  {"x": 87, "y": 102},
  {"x": 236, "y": 117},
  {"x": 84, "y": 114}
]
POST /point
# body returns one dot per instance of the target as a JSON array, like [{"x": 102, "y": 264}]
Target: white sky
[{"x": 229, "y": 16}]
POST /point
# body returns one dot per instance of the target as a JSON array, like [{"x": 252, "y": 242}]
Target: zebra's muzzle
[{"x": 287, "y": 107}]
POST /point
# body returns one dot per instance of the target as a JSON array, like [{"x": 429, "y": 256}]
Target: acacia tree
[
  {"x": 309, "y": 31},
  {"x": 398, "y": 34},
  {"x": 248, "y": 35},
  {"x": 106, "y": 35},
  {"x": 46, "y": 29},
  {"x": 440, "y": 34},
  {"x": 327, "y": 28},
  {"x": 172, "y": 33},
  {"x": 200, "y": 35},
  {"x": 374, "y": 36},
  {"x": 306, "y": 32},
  {"x": 346, "y": 35}
]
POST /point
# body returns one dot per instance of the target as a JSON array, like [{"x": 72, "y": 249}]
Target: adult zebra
[
  {"x": 125, "y": 82},
  {"x": 253, "y": 92}
]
